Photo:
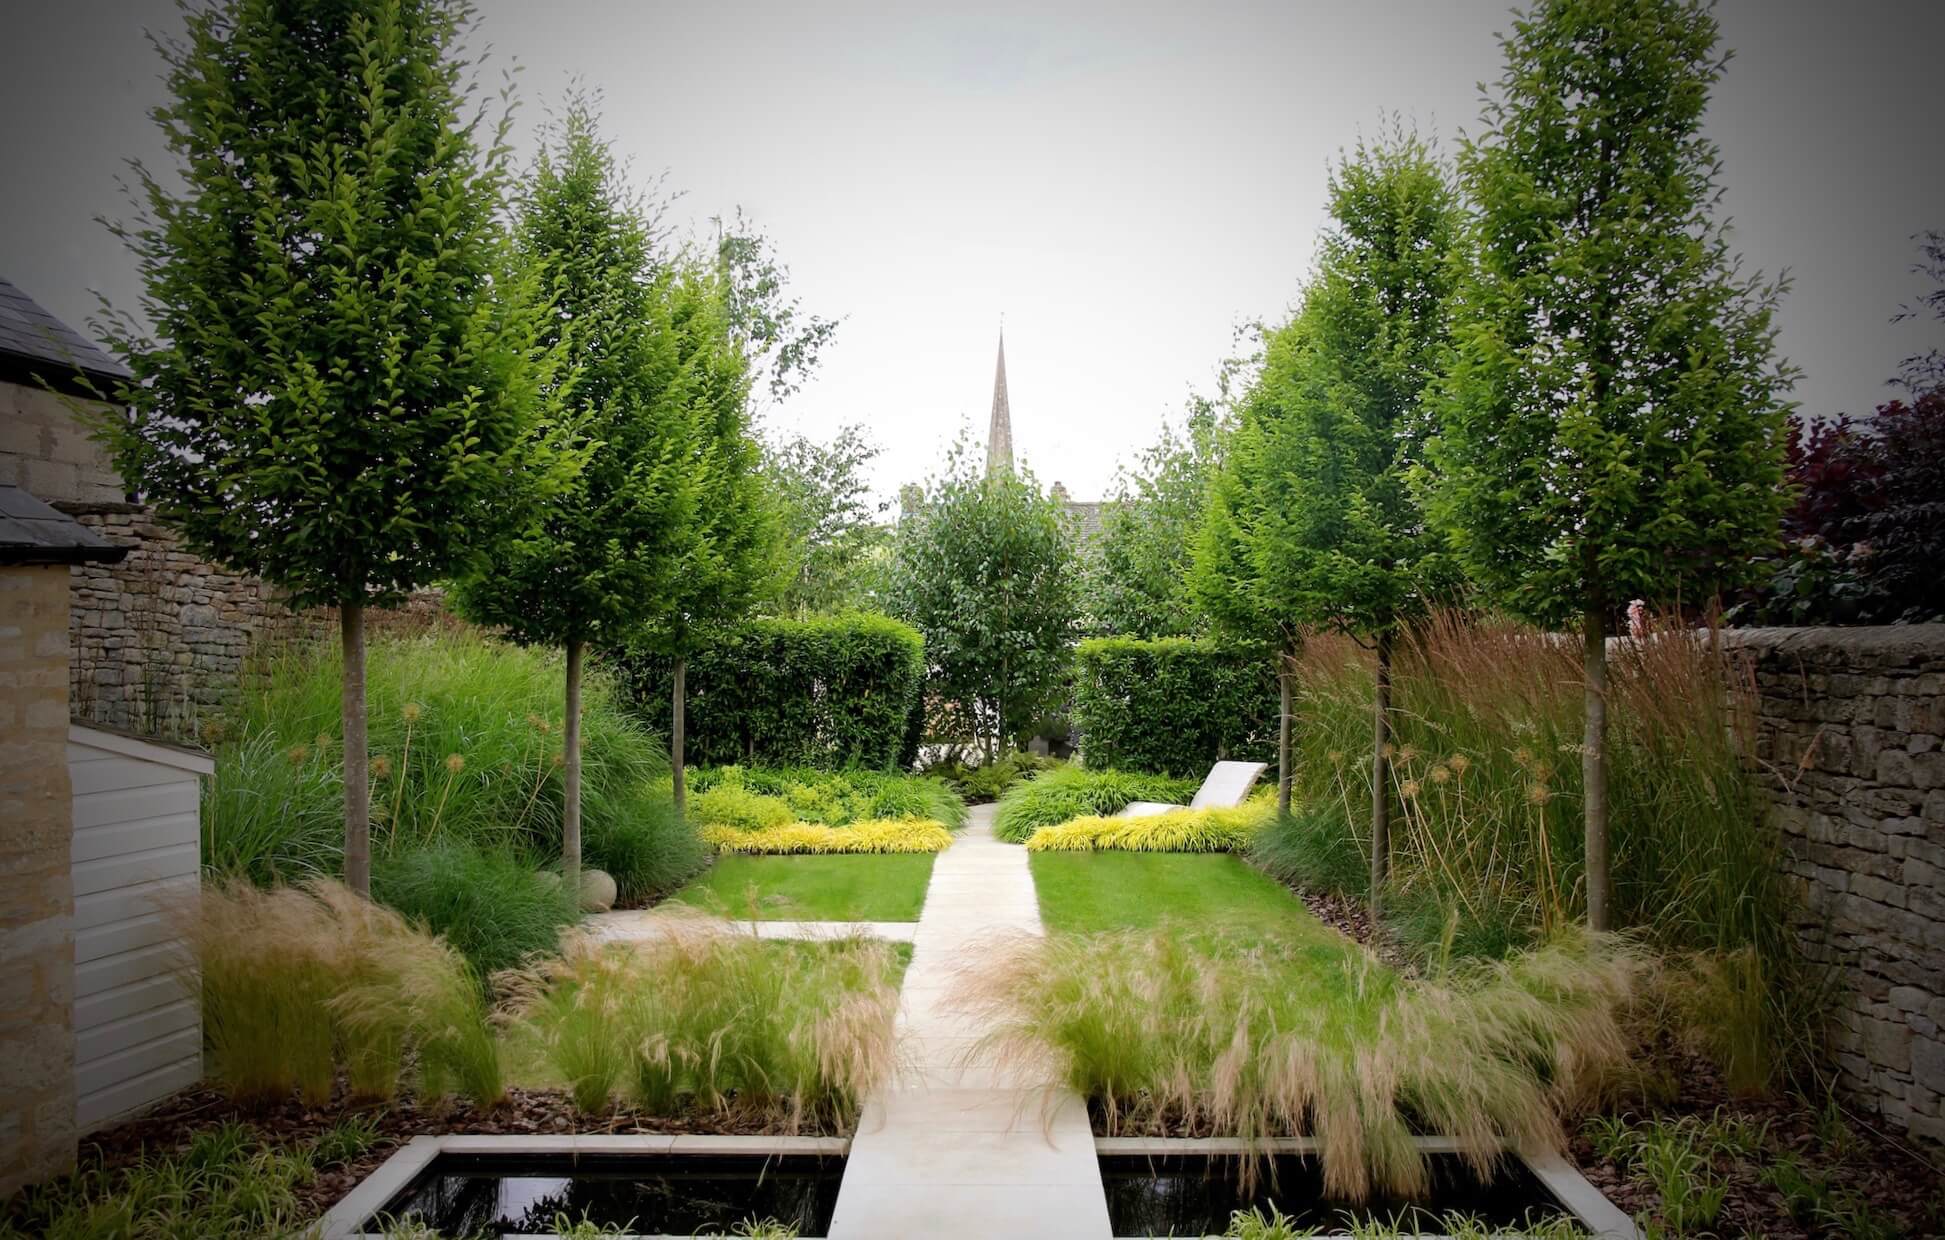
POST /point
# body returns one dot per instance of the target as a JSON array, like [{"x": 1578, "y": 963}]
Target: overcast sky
[{"x": 1126, "y": 184}]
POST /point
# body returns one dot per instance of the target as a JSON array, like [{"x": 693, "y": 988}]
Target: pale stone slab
[{"x": 959, "y": 1144}]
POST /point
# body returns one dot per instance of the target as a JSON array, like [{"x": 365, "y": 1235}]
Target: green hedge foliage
[
  {"x": 830, "y": 692},
  {"x": 1173, "y": 705}
]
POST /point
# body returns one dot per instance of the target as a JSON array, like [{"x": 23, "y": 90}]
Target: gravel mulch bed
[{"x": 167, "y": 1128}]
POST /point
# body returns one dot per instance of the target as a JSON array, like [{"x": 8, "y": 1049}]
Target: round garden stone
[{"x": 598, "y": 891}]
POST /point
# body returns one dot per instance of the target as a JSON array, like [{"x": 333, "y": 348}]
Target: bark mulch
[
  {"x": 168, "y": 1128},
  {"x": 1872, "y": 1184}
]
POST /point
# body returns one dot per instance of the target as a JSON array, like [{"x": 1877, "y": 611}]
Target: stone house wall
[
  {"x": 46, "y": 449},
  {"x": 1851, "y": 745},
  {"x": 37, "y": 1121}
]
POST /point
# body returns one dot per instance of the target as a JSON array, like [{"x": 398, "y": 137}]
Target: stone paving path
[{"x": 953, "y": 1146}]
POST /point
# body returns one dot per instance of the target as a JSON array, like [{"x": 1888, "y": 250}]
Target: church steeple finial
[{"x": 999, "y": 434}]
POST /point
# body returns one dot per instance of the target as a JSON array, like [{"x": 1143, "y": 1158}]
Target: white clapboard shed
[{"x": 137, "y": 855}]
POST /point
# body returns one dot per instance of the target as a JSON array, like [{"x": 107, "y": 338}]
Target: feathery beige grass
[
  {"x": 299, "y": 981},
  {"x": 704, "y": 1014},
  {"x": 1308, "y": 1037}
]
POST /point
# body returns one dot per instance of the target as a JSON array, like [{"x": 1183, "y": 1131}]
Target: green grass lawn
[
  {"x": 1200, "y": 892},
  {"x": 861, "y": 887}
]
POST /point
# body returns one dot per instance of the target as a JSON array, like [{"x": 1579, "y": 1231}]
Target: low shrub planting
[
  {"x": 644, "y": 850},
  {"x": 490, "y": 905},
  {"x": 832, "y": 692},
  {"x": 884, "y": 835},
  {"x": 734, "y": 807},
  {"x": 1181, "y": 830},
  {"x": 834, "y": 798},
  {"x": 701, "y": 1015},
  {"x": 977, "y": 785},
  {"x": 1071, "y": 792},
  {"x": 465, "y": 743},
  {"x": 1173, "y": 704},
  {"x": 300, "y": 982},
  {"x": 226, "y": 1183},
  {"x": 1309, "y": 1035}
]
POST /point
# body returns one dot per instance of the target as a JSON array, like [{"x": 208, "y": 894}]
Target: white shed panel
[{"x": 137, "y": 856}]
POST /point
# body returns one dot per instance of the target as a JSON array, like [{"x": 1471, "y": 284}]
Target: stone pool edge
[{"x": 345, "y": 1221}]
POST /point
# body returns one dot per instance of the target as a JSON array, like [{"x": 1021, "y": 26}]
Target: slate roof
[
  {"x": 33, "y": 533},
  {"x": 31, "y": 339}
]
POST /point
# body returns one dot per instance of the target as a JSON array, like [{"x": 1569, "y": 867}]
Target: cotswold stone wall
[
  {"x": 1851, "y": 742},
  {"x": 161, "y": 639}
]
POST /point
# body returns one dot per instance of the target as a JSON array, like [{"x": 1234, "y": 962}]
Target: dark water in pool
[
  {"x": 1194, "y": 1195},
  {"x": 673, "y": 1194}
]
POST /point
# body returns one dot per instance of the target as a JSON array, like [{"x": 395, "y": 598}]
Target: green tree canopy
[
  {"x": 342, "y": 376},
  {"x": 833, "y": 547},
  {"x": 1137, "y": 579},
  {"x": 1613, "y": 422},
  {"x": 1339, "y": 540},
  {"x": 618, "y": 532},
  {"x": 985, "y": 570}
]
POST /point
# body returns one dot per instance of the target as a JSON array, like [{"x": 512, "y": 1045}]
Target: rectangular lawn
[
  {"x": 1201, "y": 892},
  {"x": 847, "y": 887}
]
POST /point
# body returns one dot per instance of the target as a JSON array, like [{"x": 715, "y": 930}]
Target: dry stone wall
[
  {"x": 1851, "y": 741},
  {"x": 161, "y": 640}
]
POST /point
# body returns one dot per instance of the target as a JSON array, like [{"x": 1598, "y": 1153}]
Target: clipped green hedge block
[
  {"x": 1173, "y": 705},
  {"x": 831, "y": 692}
]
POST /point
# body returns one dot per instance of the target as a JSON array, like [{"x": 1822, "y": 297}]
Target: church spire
[{"x": 999, "y": 435}]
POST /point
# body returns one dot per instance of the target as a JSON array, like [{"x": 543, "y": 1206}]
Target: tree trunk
[
  {"x": 678, "y": 737},
  {"x": 1381, "y": 769},
  {"x": 1283, "y": 771},
  {"x": 1594, "y": 770},
  {"x": 357, "y": 759},
  {"x": 571, "y": 774}
]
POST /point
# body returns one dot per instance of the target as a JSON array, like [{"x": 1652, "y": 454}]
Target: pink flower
[{"x": 1638, "y": 619}]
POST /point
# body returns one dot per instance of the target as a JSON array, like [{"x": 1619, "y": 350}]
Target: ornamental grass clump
[
  {"x": 465, "y": 738},
  {"x": 902, "y": 835},
  {"x": 1311, "y": 1036},
  {"x": 1069, "y": 792},
  {"x": 1219, "y": 829},
  {"x": 298, "y": 982},
  {"x": 703, "y": 1015}
]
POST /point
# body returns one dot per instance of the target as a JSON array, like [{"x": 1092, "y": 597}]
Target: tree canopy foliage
[
  {"x": 1137, "y": 579},
  {"x": 1613, "y": 422},
  {"x": 345, "y": 368},
  {"x": 985, "y": 570}
]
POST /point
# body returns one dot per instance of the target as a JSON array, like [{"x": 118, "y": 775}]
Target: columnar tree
[
  {"x": 985, "y": 570},
  {"x": 729, "y": 556},
  {"x": 341, "y": 378},
  {"x": 615, "y": 534},
  {"x": 1341, "y": 541},
  {"x": 1613, "y": 420},
  {"x": 1239, "y": 537}
]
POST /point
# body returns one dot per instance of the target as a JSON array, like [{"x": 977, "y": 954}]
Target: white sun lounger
[{"x": 1227, "y": 785}]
